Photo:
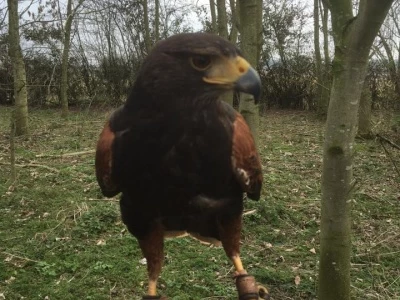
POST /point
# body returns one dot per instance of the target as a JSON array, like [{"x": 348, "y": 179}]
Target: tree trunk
[
  {"x": 213, "y": 17},
  {"x": 65, "y": 57},
  {"x": 147, "y": 40},
  {"x": 318, "y": 61},
  {"x": 398, "y": 71},
  {"x": 64, "y": 61},
  {"x": 364, "y": 116},
  {"x": 19, "y": 74},
  {"x": 222, "y": 20},
  {"x": 235, "y": 22},
  {"x": 259, "y": 33},
  {"x": 13, "y": 173},
  {"x": 157, "y": 21},
  {"x": 249, "y": 16},
  {"x": 223, "y": 32},
  {"x": 353, "y": 39},
  {"x": 391, "y": 64},
  {"x": 326, "y": 76},
  {"x": 325, "y": 32}
]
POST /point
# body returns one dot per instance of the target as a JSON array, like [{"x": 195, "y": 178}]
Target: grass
[{"x": 60, "y": 239}]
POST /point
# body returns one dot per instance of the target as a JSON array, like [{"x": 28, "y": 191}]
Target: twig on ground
[
  {"x": 104, "y": 199},
  {"x": 33, "y": 165},
  {"x": 390, "y": 157},
  {"x": 20, "y": 257},
  {"x": 66, "y": 154},
  {"x": 249, "y": 212},
  {"x": 388, "y": 141}
]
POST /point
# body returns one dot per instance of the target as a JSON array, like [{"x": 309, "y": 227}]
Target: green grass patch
[{"x": 61, "y": 239}]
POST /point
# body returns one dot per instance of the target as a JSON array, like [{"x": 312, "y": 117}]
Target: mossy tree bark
[
  {"x": 353, "y": 37},
  {"x": 250, "y": 16},
  {"x": 19, "y": 74}
]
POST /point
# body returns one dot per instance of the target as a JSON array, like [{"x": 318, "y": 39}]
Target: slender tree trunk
[
  {"x": 396, "y": 21},
  {"x": 64, "y": 61},
  {"x": 157, "y": 21},
  {"x": 325, "y": 32},
  {"x": 213, "y": 17},
  {"x": 147, "y": 40},
  {"x": 235, "y": 22},
  {"x": 13, "y": 173},
  {"x": 249, "y": 16},
  {"x": 326, "y": 76},
  {"x": 353, "y": 39},
  {"x": 223, "y": 32},
  {"x": 398, "y": 71},
  {"x": 391, "y": 64},
  {"x": 364, "y": 116},
  {"x": 318, "y": 61},
  {"x": 259, "y": 27},
  {"x": 19, "y": 74},
  {"x": 222, "y": 19},
  {"x": 65, "y": 57}
]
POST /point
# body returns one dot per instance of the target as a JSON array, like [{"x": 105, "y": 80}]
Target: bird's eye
[{"x": 200, "y": 62}]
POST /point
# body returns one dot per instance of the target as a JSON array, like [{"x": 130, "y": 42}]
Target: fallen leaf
[
  {"x": 297, "y": 280},
  {"x": 10, "y": 280},
  {"x": 268, "y": 245},
  {"x": 100, "y": 242}
]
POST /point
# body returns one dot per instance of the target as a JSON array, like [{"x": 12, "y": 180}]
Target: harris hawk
[{"x": 181, "y": 157}]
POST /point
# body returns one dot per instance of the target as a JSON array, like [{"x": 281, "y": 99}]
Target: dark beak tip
[{"x": 250, "y": 83}]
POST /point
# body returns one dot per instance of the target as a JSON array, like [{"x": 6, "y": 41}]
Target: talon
[{"x": 263, "y": 293}]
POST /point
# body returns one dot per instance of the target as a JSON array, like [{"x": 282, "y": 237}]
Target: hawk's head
[{"x": 196, "y": 66}]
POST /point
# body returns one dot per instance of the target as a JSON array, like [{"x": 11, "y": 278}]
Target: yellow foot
[{"x": 239, "y": 273}]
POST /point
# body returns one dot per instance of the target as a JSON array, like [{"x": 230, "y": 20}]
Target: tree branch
[{"x": 366, "y": 26}]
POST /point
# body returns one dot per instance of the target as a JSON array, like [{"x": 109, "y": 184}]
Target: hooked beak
[{"x": 235, "y": 73}]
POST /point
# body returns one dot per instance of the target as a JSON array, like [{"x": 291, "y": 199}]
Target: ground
[{"x": 60, "y": 239}]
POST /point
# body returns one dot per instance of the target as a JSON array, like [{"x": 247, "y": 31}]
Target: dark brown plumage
[{"x": 181, "y": 157}]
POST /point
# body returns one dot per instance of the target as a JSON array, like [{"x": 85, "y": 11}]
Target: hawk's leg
[
  {"x": 229, "y": 229},
  {"x": 152, "y": 245}
]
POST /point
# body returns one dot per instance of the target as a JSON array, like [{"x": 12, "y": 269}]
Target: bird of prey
[{"x": 182, "y": 158}]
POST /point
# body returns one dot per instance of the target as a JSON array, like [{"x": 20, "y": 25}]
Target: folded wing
[
  {"x": 104, "y": 162},
  {"x": 246, "y": 162}
]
